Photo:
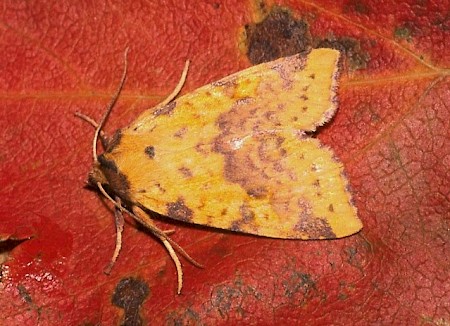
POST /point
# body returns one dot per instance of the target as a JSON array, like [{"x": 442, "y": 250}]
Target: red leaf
[{"x": 391, "y": 132}]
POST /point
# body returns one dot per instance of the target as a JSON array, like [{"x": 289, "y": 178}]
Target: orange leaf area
[{"x": 390, "y": 132}]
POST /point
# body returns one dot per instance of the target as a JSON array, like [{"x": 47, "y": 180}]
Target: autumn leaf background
[{"x": 391, "y": 132}]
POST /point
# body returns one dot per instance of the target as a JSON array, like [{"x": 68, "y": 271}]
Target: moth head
[
  {"x": 96, "y": 176},
  {"x": 106, "y": 173}
]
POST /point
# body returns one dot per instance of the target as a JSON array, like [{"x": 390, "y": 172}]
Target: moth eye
[{"x": 150, "y": 151}]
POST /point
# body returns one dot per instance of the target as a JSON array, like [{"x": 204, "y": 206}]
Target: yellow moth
[{"x": 235, "y": 154}]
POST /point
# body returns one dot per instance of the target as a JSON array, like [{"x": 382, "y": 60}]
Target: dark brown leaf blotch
[
  {"x": 129, "y": 294},
  {"x": 278, "y": 35}
]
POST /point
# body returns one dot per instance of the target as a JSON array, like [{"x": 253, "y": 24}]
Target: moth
[{"x": 236, "y": 154}]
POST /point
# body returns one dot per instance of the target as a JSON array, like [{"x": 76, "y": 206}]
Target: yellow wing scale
[{"x": 234, "y": 154}]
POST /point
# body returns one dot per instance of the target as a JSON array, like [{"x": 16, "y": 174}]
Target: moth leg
[
  {"x": 177, "y": 262},
  {"x": 146, "y": 220},
  {"x": 86, "y": 118},
  {"x": 139, "y": 215},
  {"x": 184, "y": 253},
  {"x": 168, "y": 232},
  {"x": 179, "y": 86},
  {"x": 103, "y": 138},
  {"x": 119, "y": 221}
]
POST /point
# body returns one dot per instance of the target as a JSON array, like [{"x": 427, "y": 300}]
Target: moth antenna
[
  {"x": 110, "y": 106},
  {"x": 179, "y": 85}
]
